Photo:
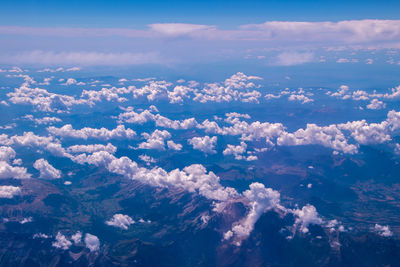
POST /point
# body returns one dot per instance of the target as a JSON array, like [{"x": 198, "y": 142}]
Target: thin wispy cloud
[
  {"x": 81, "y": 58},
  {"x": 287, "y": 42},
  {"x": 294, "y": 58},
  {"x": 346, "y": 31}
]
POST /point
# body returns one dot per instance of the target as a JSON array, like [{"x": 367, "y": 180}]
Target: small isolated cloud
[
  {"x": 205, "y": 144},
  {"x": 383, "y": 230},
  {"x": 121, "y": 221},
  {"x": 342, "y": 60},
  {"x": 294, "y": 58},
  {"x": 81, "y": 58},
  {"x": 346, "y": 60},
  {"x": 47, "y": 171},
  {"x": 397, "y": 149},
  {"x": 72, "y": 81},
  {"x": 26, "y": 220},
  {"x": 147, "y": 159},
  {"x": 301, "y": 98},
  {"x": 306, "y": 216},
  {"x": 9, "y": 191},
  {"x": 92, "y": 242},
  {"x": 155, "y": 140},
  {"x": 6, "y": 153},
  {"x": 236, "y": 151},
  {"x": 174, "y": 146},
  {"x": 376, "y": 104},
  {"x": 77, "y": 237},
  {"x": 62, "y": 242}
]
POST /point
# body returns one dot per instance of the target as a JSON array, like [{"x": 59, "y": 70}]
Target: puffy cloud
[
  {"x": 147, "y": 159},
  {"x": 236, "y": 88},
  {"x": 121, "y": 221},
  {"x": 6, "y": 153},
  {"x": 260, "y": 200},
  {"x": 40, "y": 235},
  {"x": 47, "y": 120},
  {"x": 154, "y": 90},
  {"x": 249, "y": 132},
  {"x": 394, "y": 94},
  {"x": 179, "y": 93},
  {"x": 60, "y": 69},
  {"x": 29, "y": 139},
  {"x": 364, "y": 133},
  {"x": 272, "y": 96},
  {"x": 70, "y": 81},
  {"x": 237, "y": 151},
  {"x": 174, "y": 146},
  {"x": 301, "y": 98},
  {"x": 61, "y": 242},
  {"x": 193, "y": 178},
  {"x": 335, "y": 136},
  {"x": 120, "y": 132},
  {"x": 8, "y": 171},
  {"x": 162, "y": 121},
  {"x": 383, "y": 230},
  {"x": 393, "y": 120},
  {"x": 334, "y": 225},
  {"x": 332, "y": 136},
  {"x": 130, "y": 116},
  {"x": 106, "y": 94},
  {"x": 232, "y": 115},
  {"x": 155, "y": 140},
  {"x": 306, "y": 216},
  {"x": 251, "y": 158},
  {"x": 41, "y": 98},
  {"x": 47, "y": 171},
  {"x": 92, "y": 148},
  {"x": 77, "y": 237},
  {"x": 92, "y": 242},
  {"x": 343, "y": 90},
  {"x": 345, "y": 93},
  {"x": 376, "y": 104},
  {"x": 328, "y": 136},
  {"x": 8, "y": 191},
  {"x": 17, "y": 162},
  {"x": 205, "y": 144}
]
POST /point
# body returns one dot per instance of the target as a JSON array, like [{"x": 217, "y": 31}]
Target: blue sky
[{"x": 122, "y": 13}]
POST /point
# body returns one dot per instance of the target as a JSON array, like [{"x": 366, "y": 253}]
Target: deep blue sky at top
[{"x": 224, "y": 13}]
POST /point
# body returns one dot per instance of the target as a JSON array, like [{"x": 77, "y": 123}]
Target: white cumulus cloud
[{"x": 47, "y": 171}]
